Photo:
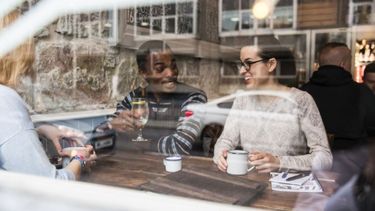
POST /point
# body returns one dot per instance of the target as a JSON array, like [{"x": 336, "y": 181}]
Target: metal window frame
[{"x": 255, "y": 30}]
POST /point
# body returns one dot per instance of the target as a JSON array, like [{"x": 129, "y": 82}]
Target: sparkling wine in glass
[{"x": 140, "y": 108}]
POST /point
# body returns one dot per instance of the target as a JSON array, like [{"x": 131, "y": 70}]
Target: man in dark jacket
[
  {"x": 168, "y": 130},
  {"x": 347, "y": 108}
]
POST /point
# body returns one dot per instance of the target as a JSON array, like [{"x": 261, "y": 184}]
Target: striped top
[{"x": 170, "y": 132}]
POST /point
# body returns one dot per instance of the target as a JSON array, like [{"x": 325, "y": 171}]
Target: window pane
[
  {"x": 185, "y": 8},
  {"x": 156, "y": 26},
  {"x": 157, "y": 10},
  {"x": 170, "y": 25},
  {"x": 283, "y": 17},
  {"x": 143, "y": 26},
  {"x": 230, "y": 21},
  {"x": 185, "y": 25},
  {"x": 362, "y": 14},
  {"x": 143, "y": 12},
  {"x": 247, "y": 21},
  {"x": 265, "y": 23},
  {"x": 170, "y": 9}
]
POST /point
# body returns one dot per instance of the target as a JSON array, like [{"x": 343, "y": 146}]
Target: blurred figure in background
[
  {"x": 347, "y": 108},
  {"x": 297, "y": 140},
  {"x": 359, "y": 192},
  {"x": 369, "y": 76},
  {"x": 20, "y": 148}
]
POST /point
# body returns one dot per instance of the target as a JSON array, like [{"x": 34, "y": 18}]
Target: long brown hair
[{"x": 18, "y": 61}]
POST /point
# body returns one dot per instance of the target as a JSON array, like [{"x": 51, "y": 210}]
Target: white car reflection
[{"x": 213, "y": 115}]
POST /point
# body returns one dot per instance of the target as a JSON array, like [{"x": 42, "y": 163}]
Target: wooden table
[{"x": 131, "y": 170}]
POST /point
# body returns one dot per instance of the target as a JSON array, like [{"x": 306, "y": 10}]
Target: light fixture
[
  {"x": 263, "y": 8},
  {"x": 234, "y": 19},
  {"x": 144, "y": 24}
]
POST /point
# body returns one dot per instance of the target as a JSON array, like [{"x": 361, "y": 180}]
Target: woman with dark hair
[{"x": 280, "y": 126}]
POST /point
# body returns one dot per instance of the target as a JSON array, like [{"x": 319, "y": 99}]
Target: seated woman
[
  {"x": 20, "y": 148},
  {"x": 275, "y": 141}
]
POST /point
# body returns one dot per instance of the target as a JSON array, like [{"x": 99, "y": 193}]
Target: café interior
[{"x": 86, "y": 62}]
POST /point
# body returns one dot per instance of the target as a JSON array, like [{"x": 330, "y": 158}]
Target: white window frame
[
  {"x": 255, "y": 30},
  {"x": 163, "y": 35},
  {"x": 353, "y": 5},
  {"x": 281, "y": 33},
  {"x": 114, "y": 38}
]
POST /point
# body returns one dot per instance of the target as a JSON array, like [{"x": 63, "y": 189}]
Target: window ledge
[{"x": 71, "y": 115}]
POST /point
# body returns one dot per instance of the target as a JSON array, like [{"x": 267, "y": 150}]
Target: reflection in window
[
  {"x": 168, "y": 18},
  {"x": 237, "y": 16},
  {"x": 362, "y": 11},
  {"x": 283, "y": 14}
]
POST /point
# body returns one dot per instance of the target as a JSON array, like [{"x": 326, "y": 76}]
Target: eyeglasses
[{"x": 247, "y": 64}]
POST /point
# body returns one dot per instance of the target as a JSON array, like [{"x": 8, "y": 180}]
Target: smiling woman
[{"x": 279, "y": 132}]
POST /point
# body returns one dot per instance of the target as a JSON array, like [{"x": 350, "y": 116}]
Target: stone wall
[{"x": 77, "y": 69}]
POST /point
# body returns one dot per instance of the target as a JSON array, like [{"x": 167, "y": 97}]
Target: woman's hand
[
  {"x": 222, "y": 161},
  {"x": 55, "y": 133},
  {"x": 264, "y": 162},
  {"x": 126, "y": 121},
  {"x": 89, "y": 156}
]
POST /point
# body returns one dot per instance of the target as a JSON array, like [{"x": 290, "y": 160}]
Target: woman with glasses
[{"x": 280, "y": 127}]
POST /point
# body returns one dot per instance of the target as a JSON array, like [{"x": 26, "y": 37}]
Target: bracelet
[{"x": 80, "y": 158}]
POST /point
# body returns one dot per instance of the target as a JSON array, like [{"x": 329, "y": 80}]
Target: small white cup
[
  {"x": 71, "y": 151},
  {"x": 173, "y": 163},
  {"x": 238, "y": 163}
]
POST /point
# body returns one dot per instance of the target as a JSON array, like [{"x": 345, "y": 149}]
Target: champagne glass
[{"x": 140, "y": 108}]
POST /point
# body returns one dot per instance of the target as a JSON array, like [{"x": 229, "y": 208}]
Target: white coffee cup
[
  {"x": 238, "y": 163},
  {"x": 71, "y": 151},
  {"x": 173, "y": 163}
]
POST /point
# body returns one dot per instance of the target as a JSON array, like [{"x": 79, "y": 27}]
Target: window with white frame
[
  {"x": 173, "y": 18},
  {"x": 294, "y": 65},
  {"x": 362, "y": 12},
  {"x": 236, "y": 16}
]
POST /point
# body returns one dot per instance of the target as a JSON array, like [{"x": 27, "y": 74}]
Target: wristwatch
[{"x": 80, "y": 158}]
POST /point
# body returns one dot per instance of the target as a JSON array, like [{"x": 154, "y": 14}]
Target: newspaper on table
[{"x": 306, "y": 183}]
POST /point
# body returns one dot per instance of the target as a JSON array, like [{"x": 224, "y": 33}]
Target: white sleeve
[{"x": 24, "y": 153}]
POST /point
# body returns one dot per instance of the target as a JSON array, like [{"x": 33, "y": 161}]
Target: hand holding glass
[{"x": 140, "y": 110}]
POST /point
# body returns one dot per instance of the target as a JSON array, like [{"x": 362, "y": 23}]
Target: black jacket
[{"x": 347, "y": 108}]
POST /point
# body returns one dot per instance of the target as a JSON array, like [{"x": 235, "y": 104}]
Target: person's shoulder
[
  {"x": 10, "y": 96},
  {"x": 301, "y": 96},
  {"x": 6, "y": 91}
]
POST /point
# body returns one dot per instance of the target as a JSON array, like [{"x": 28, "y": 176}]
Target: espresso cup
[
  {"x": 173, "y": 163},
  {"x": 238, "y": 163},
  {"x": 71, "y": 151}
]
